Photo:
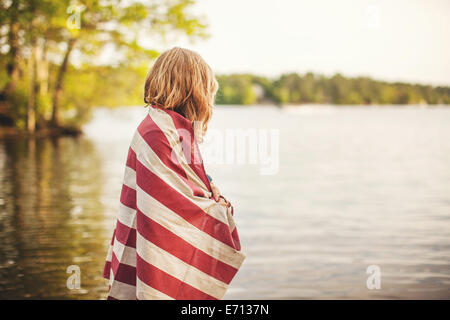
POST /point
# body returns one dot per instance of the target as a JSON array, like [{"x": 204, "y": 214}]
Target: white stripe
[
  {"x": 122, "y": 291},
  {"x": 129, "y": 177},
  {"x": 179, "y": 269},
  {"x": 191, "y": 234},
  {"x": 219, "y": 210},
  {"x": 145, "y": 292},
  {"x": 125, "y": 254},
  {"x": 111, "y": 276},
  {"x": 109, "y": 254},
  {"x": 152, "y": 162},
  {"x": 127, "y": 216}
]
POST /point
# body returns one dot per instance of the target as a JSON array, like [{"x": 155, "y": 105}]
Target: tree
[
  {"x": 11, "y": 17},
  {"x": 38, "y": 30}
]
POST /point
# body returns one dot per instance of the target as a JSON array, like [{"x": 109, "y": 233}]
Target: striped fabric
[{"x": 171, "y": 240}]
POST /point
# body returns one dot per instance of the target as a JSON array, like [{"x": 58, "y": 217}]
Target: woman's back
[{"x": 172, "y": 240}]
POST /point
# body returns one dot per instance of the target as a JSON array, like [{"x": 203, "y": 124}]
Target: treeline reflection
[{"x": 51, "y": 217}]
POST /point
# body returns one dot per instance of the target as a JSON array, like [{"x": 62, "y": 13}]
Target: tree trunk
[
  {"x": 13, "y": 55},
  {"x": 42, "y": 70},
  {"x": 42, "y": 79},
  {"x": 60, "y": 83},
  {"x": 32, "y": 97}
]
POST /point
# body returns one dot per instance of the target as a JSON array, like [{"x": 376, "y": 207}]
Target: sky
[{"x": 396, "y": 40}]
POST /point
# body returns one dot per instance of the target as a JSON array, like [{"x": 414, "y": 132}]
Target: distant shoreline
[
  {"x": 316, "y": 88},
  {"x": 7, "y": 132}
]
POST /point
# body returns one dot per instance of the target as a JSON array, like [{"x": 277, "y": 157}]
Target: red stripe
[
  {"x": 107, "y": 270},
  {"x": 126, "y": 235},
  {"x": 128, "y": 197},
  {"x": 185, "y": 130},
  {"x": 169, "y": 197},
  {"x": 173, "y": 244},
  {"x": 165, "y": 283},
  {"x": 235, "y": 237},
  {"x": 131, "y": 159},
  {"x": 123, "y": 272},
  {"x": 113, "y": 236}
]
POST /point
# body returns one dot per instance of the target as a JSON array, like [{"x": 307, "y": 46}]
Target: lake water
[{"x": 355, "y": 187}]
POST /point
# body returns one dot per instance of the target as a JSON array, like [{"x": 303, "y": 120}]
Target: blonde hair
[{"x": 182, "y": 81}]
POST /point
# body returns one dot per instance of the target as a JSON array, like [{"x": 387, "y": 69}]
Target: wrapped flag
[{"x": 171, "y": 240}]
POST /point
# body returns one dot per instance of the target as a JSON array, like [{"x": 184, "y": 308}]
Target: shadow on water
[{"x": 50, "y": 218}]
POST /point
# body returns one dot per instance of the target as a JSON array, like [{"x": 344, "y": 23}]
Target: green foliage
[
  {"x": 104, "y": 86},
  {"x": 311, "y": 88},
  {"x": 235, "y": 90},
  {"x": 46, "y": 33},
  {"x": 17, "y": 109}
]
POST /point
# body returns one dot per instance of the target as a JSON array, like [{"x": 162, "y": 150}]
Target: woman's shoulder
[
  {"x": 153, "y": 133},
  {"x": 163, "y": 120}
]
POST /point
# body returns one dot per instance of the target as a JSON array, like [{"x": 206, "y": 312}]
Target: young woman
[{"x": 175, "y": 236}]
